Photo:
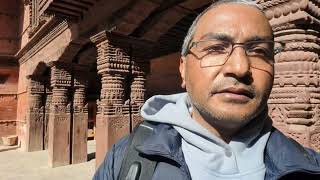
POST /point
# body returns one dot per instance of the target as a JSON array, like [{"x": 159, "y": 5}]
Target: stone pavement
[{"x": 17, "y": 165}]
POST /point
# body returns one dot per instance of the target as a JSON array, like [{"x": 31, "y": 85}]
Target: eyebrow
[
  {"x": 260, "y": 38},
  {"x": 226, "y": 37},
  {"x": 218, "y": 36}
]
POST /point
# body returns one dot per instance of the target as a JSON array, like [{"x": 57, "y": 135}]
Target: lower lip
[{"x": 232, "y": 97}]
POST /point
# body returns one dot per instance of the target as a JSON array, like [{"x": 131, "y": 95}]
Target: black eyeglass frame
[{"x": 234, "y": 45}]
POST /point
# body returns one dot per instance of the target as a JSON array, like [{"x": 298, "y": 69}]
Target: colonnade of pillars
[
  {"x": 61, "y": 100},
  {"x": 57, "y": 116}
]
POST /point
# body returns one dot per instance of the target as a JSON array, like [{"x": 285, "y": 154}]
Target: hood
[
  {"x": 175, "y": 110},
  {"x": 243, "y": 155}
]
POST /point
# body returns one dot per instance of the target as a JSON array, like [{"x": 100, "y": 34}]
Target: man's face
[{"x": 231, "y": 95}]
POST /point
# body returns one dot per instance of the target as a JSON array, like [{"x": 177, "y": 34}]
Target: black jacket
[{"x": 284, "y": 158}]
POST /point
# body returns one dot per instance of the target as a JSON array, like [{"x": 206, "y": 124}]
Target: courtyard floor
[{"x": 17, "y": 165}]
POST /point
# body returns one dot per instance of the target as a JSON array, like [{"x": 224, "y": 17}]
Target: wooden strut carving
[
  {"x": 123, "y": 70},
  {"x": 294, "y": 101}
]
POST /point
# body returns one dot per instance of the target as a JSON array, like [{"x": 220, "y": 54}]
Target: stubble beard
[{"x": 225, "y": 122}]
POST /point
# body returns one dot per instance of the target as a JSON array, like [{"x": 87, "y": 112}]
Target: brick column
[
  {"x": 35, "y": 115},
  {"x": 294, "y": 102},
  {"x": 59, "y": 119},
  {"x": 80, "y": 118}
]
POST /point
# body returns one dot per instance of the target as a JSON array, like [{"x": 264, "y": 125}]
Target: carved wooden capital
[
  {"x": 118, "y": 54},
  {"x": 60, "y": 74}
]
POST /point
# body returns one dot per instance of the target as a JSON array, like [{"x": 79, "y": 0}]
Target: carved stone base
[{"x": 109, "y": 130}]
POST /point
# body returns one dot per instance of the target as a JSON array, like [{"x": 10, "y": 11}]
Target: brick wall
[{"x": 8, "y": 100}]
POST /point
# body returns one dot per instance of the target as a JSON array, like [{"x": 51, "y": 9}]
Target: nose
[{"x": 237, "y": 64}]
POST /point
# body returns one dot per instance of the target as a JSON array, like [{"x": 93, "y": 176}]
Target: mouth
[
  {"x": 238, "y": 91},
  {"x": 236, "y": 94}
]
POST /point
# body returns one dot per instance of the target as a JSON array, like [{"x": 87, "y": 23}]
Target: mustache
[{"x": 231, "y": 83}]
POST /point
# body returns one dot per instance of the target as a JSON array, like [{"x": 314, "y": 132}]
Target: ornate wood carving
[
  {"x": 38, "y": 17},
  {"x": 294, "y": 101},
  {"x": 122, "y": 66}
]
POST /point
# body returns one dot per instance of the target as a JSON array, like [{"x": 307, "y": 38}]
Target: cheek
[
  {"x": 263, "y": 83},
  {"x": 199, "y": 80},
  {"x": 193, "y": 80}
]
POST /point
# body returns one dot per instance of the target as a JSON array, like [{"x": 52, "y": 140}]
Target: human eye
[
  {"x": 215, "y": 47},
  {"x": 259, "y": 49}
]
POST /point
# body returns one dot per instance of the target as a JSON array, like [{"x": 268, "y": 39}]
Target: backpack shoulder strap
[{"x": 134, "y": 166}]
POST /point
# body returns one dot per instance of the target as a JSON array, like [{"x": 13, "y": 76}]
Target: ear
[{"x": 182, "y": 71}]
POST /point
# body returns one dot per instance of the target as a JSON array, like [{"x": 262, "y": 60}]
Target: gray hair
[{"x": 187, "y": 40}]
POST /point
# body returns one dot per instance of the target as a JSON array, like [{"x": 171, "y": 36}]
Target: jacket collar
[
  {"x": 282, "y": 155},
  {"x": 164, "y": 141}
]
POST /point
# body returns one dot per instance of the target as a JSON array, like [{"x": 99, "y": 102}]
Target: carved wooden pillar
[
  {"x": 80, "y": 118},
  {"x": 35, "y": 112},
  {"x": 295, "y": 99},
  {"x": 123, "y": 65},
  {"x": 59, "y": 119},
  {"x": 140, "y": 70},
  {"x": 113, "y": 119},
  {"x": 46, "y": 118}
]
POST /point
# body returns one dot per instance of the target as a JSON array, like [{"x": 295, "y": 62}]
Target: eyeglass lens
[{"x": 216, "y": 53}]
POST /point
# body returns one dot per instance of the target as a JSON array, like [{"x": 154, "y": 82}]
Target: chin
[
  {"x": 233, "y": 116},
  {"x": 232, "y": 120}
]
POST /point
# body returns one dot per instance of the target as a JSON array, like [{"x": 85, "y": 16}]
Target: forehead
[{"x": 238, "y": 21}]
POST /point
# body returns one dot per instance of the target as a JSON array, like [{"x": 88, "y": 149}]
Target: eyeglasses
[{"x": 216, "y": 52}]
